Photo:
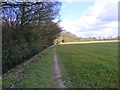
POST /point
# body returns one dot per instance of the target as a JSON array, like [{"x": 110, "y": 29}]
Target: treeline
[
  {"x": 66, "y": 36},
  {"x": 26, "y": 28}
]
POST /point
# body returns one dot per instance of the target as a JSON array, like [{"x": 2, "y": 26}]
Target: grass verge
[{"x": 39, "y": 74}]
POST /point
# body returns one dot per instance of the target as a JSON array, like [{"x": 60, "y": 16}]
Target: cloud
[
  {"x": 69, "y": 26},
  {"x": 101, "y": 19}
]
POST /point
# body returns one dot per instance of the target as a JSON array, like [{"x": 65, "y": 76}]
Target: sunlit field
[{"x": 92, "y": 65}]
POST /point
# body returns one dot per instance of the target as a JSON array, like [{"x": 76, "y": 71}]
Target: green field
[{"x": 92, "y": 65}]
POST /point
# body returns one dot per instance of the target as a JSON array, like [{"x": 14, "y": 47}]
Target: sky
[{"x": 90, "y": 18}]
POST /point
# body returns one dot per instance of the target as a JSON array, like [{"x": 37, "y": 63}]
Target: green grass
[
  {"x": 92, "y": 65},
  {"x": 39, "y": 74},
  {"x": 7, "y": 81}
]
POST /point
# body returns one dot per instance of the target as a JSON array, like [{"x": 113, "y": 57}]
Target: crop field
[{"x": 93, "y": 65}]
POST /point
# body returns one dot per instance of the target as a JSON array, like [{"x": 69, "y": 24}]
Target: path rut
[{"x": 57, "y": 72}]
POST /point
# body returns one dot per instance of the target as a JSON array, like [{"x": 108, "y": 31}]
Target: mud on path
[{"x": 57, "y": 72}]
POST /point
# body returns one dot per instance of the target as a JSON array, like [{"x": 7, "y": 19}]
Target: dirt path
[{"x": 57, "y": 72}]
